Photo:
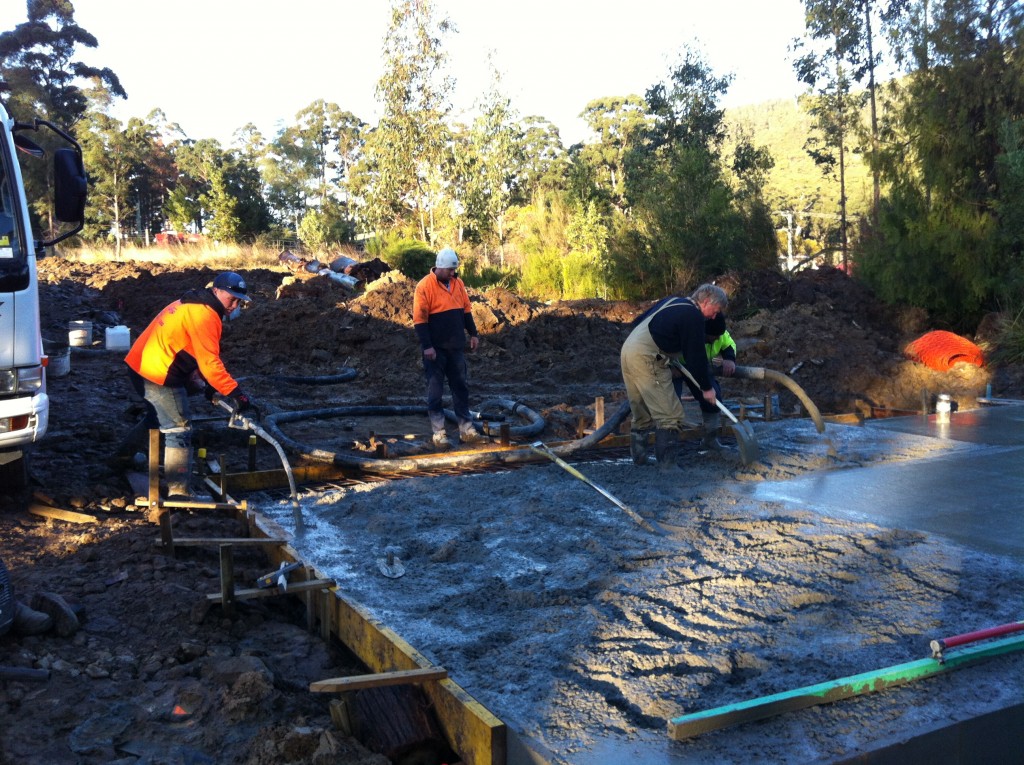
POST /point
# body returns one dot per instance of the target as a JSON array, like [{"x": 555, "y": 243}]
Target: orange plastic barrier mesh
[{"x": 941, "y": 350}]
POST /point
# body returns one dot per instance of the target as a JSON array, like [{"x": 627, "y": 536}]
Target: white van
[{"x": 24, "y": 405}]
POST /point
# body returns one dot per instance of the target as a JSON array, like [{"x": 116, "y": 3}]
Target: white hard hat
[{"x": 447, "y": 258}]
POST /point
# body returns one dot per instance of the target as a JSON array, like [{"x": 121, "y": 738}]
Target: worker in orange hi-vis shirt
[
  {"x": 178, "y": 354},
  {"x": 442, "y": 318}
]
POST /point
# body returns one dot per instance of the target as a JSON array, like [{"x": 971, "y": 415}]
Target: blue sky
[{"x": 214, "y": 65}]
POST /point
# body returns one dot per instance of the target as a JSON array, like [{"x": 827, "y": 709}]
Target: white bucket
[
  {"x": 79, "y": 333},
  {"x": 59, "y": 361},
  {"x": 117, "y": 338}
]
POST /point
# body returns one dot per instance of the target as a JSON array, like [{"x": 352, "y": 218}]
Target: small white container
[
  {"x": 79, "y": 333},
  {"x": 942, "y": 408},
  {"x": 117, "y": 338}
]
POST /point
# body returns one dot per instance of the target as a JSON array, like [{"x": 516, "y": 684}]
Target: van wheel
[{"x": 14, "y": 474}]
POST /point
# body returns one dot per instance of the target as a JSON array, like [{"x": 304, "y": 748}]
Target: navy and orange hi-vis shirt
[
  {"x": 441, "y": 313},
  {"x": 183, "y": 337}
]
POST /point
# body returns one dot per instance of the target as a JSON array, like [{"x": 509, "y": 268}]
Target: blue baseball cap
[{"x": 233, "y": 284}]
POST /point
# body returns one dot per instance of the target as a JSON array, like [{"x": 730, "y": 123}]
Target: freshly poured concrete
[{"x": 839, "y": 553}]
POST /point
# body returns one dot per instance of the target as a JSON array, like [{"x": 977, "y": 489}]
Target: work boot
[
  {"x": 712, "y": 427},
  {"x": 28, "y": 621},
  {"x": 53, "y": 605},
  {"x": 441, "y": 442},
  {"x": 638, "y": 446},
  {"x": 469, "y": 435},
  {"x": 178, "y": 472},
  {"x": 666, "y": 448}
]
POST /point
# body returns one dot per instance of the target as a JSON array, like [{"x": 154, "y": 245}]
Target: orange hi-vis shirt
[
  {"x": 190, "y": 328},
  {"x": 441, "y": 315}
]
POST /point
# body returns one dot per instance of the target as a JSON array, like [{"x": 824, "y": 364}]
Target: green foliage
[
  {"x": 401, "y": 172},
  {"x": 934, "y": 256},
  {"x": 413, "y": 258},
  {"x": 314, "y": 230},
  {"x": 948, "y": 236},
  {"x": 542, "y": 275}
]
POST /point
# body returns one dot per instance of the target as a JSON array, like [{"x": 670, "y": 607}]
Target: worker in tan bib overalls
[{"x": 670, "y": 328}]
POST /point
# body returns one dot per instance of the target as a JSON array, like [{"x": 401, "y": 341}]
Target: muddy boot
[
  {"x": 28, "y": 621},
  {"x": 441, "y": 442},
  {"x": 469, "y": 435},
  {"x": 638, "y": 446},
  {"x": 666, "y": 449},
  {"x": 712, "y": 427},
  {"x": 178, "y": 472},
  {"x": 53, "y": 605}
]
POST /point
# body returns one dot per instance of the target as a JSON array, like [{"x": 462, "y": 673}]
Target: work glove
[{"x": 240, "y": 401}]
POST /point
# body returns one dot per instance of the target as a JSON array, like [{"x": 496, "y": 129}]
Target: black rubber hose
[
  {"x": 461, "y": 459},
  {"x": 346, "y": 374}
]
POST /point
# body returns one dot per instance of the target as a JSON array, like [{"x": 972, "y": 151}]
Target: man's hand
[
  {"x": 242, "y": 401},
  {"x": 709, "y": 396},
  {"x": 728, "y": 367},
  {"x": 429, "y": 354},
  {"x": 474, "y": 343}
]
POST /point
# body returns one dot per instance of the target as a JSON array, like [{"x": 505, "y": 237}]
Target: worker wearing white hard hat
[{"x": 443, "y": 318}]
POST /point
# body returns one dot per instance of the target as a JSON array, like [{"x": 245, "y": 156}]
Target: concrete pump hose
[
  {"x": 343, "y": 375},
  {"x": 760, "y": 373},
  {"x": 460, "y": 459}
]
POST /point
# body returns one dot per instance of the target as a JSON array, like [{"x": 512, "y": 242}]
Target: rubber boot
[
  {"x": 666, "y": 449},
  {"x": 178, "y": 471},
  {"x": 712, "y": 427},
  {"x": 53, "y": 605},
  {"x": 28, "y": 621},
  {"x": 638, "y": 446}
]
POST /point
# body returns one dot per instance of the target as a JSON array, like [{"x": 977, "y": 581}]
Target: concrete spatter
[{"x": 587, "y": 634}]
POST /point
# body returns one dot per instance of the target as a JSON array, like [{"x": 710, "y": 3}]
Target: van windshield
[{"x": 14, "y": 275}]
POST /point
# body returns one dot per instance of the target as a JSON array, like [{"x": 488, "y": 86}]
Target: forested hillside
[{"x": 796, "y": 182}]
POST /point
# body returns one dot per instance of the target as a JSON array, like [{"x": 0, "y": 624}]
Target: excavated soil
[{"x": 156, "y": 675}]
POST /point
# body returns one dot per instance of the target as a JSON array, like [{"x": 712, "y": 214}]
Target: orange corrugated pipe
[{"x": 941, "y": 351}]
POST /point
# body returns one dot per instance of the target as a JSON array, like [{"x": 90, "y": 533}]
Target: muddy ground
[{"x": 155, "y": 675}]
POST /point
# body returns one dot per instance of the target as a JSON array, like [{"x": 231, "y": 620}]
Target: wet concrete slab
[{"x": 971, "y": 494}]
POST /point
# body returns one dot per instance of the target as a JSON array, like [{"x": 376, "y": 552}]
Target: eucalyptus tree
[
  {"x": 685, "y": 224},
  {"x": 400, "y": 178},
  {"x": 493, "y": 185},
  {"x": 39, "y": 75},
  {"x": 229, "y": 191},
  {"x": 38, "y": 66},
  {"x": 130, "y": 173},
  {"x": 834, "y": 104},
  {"x": 619, "y": 124},
  {"x": 545, "y": 160},
  {"x": 112, "y": 157}
]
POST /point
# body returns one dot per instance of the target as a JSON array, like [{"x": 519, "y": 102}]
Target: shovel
[{"x": 745, "y": 439}]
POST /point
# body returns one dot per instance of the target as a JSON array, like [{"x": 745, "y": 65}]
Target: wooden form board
[{"x": 473, "y": 732}]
